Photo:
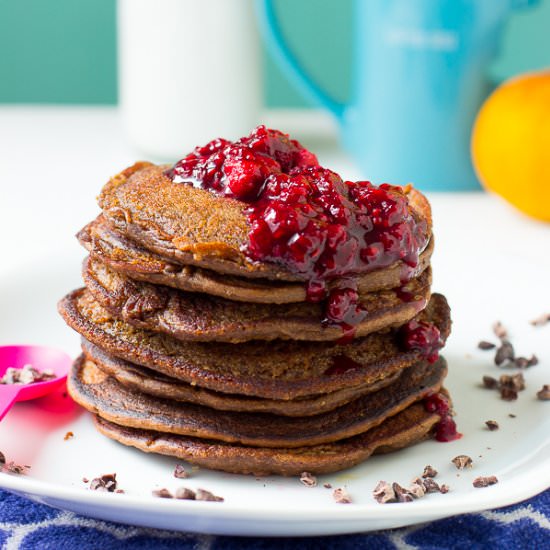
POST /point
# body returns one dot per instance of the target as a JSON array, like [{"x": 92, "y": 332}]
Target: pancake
[
  {"x": 142, "y": 379},
  {"x": 406, "y": 428},
  {"x": 128, "y": 258},
  {"x": 199, "y": 317},
  {"x": 291, "y": 330},
  {"x": 103, "y": 395},
  {"x": 193, "y": 226},
  {"x": 278, "y": 370}
]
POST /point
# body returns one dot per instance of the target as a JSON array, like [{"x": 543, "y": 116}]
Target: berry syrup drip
[
  {"x": 445, "y": 429},
  {"x": 423, "y": 337},
  {"x": 306, "y": 219},
  {"x": 342, "y": 364}
]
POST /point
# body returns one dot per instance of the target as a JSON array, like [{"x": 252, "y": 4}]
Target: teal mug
[{"x": 419, "y": 78}]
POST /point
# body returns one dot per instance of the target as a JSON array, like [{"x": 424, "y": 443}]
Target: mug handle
[{"x": 277, "y": 45}]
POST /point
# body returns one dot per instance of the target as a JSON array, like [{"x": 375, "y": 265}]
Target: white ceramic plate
[{"x": 518, "y": 454}]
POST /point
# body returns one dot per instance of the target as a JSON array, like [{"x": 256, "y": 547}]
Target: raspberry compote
[
  {"x": 306, "y": 219},
  {"x": 423, "y": 337},
  {"x": 445, "y": 429}
]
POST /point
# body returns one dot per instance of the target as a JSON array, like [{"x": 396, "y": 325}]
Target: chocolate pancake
[
  {"x": 275, "y": 370},
  {"x": 103, "y": 395},
  {"x": 410, "y": 426},
  {"x": 145, "y": 380},
  {"x": 193, "y": 226},
  {"x": 128, "y": 258},
  {"x": 199, "y": 317}
]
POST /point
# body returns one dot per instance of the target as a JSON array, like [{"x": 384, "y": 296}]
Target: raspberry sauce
[
  {"x": 445, "y": 429},
  {"x": 306, "y": 219},
  {"x": 423, "y": 337}
]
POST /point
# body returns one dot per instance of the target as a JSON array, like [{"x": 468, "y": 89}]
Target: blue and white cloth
[{"x": 27, "y": 525}]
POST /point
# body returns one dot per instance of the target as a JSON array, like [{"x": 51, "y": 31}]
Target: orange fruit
[{"x": 511, "y": 143}]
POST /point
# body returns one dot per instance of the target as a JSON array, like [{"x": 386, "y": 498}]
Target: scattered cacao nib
[
  {"x": 327, "y": 485},
  {"x": 120, "y": 491},
  {"x": 511, "y": 415},
  {"x": 508, "y": 385},
  {"x": 505, "y": 353},
  {"x": 544, "y": 393},
  {"x": 162, "y": 493},
  {"x": 499, "y": 330},
  {"x": 462, "y": 461},
  {"x": 2, "y": 459},
  {"x": 341, "y": 496},
  {"x": 106, "y": 483},
  {"x": 203, "y": 494},
  {"x": 13, "y": 468},
  {"x": 68, "y": 435},
  {"x": 179, "y": 472},
  {"x": 484, "y": 345},
  {"x": 401, "y": 493},
  {"x": 308, "y": 479},
  {"x": 524, "y": 362},
  {"x": 492, "y": 425},
  {"x": 25, "y": 375},
  {"x": 541, "y": 320},
  {"x": 429, "y": 471},
  {"x": 97, "y": 485},
  {"x": 508, "y": 394},
  {"x": 430, "y": 485},
  {"x": 521, "y": 362},
  {"x": 110, "y": 481},
  {"x": 514, "y": 382},
  {"x": 383, "y": 493},
  {"x": 490, "y": 383},
  {"x": 416, "y": 489},
  {"x": 484, "y": 481},
  {"x": 85, "y": 480},
  {"x": 183, "y": 493}
]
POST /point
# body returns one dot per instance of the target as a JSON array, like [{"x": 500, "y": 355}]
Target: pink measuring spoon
[{"x": 42, "y": 358}]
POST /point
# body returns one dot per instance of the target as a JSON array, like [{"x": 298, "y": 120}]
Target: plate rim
[{"x": 521, "y": 486}]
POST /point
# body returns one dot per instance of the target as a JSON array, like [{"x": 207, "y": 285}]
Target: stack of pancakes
[{"x": 192, "y": 350}]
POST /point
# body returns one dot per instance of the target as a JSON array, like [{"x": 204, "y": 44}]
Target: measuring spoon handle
[{"x": 8, "y": 396}]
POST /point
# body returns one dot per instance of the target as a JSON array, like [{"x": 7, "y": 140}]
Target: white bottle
[{"x": 188, "y": 72}]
